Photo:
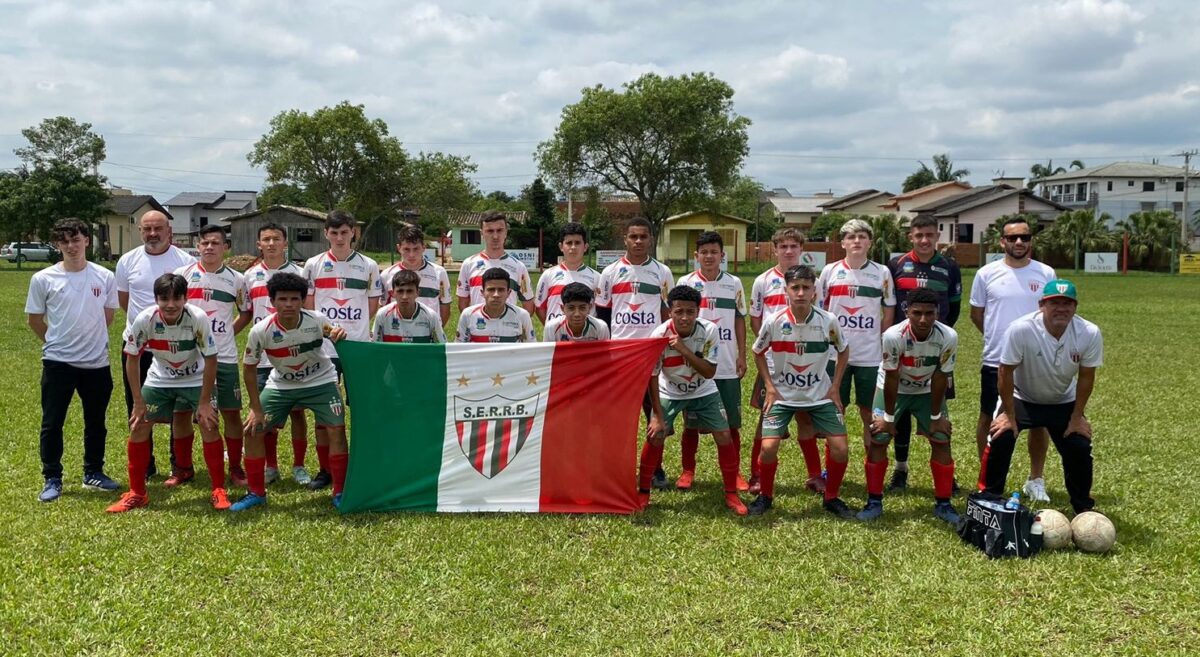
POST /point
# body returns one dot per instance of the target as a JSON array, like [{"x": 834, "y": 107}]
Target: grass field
[{"x": 683, "y": 578}]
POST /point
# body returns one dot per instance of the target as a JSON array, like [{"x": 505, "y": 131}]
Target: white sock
[{"x": 901, "y": 466}]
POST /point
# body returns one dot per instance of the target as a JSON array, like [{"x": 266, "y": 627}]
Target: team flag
[{"x": 538, "y": 427}]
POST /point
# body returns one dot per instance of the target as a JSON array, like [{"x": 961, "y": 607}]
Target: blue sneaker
[
  {"x": 337, "y": 501},
  {"x": 871, "y": 511},
  {"x": 945, "y": 511},
  {"x": 248, "y": 502},
  {"x": 51, "y": 491},
  {"x": 99, "y": 481}
]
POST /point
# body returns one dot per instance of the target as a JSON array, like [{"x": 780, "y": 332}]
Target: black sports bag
[{"x": 997, "y": 531}]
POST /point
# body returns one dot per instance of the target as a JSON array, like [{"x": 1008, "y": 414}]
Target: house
[
  {"x": 465, "y": 237},
  {"x": 677, "y": 241},
  {"x": 191, "y": 211},
  {"x": 304, "y": 228},
  {"x": 1122, "y": 188},
  {"x": 902, "y": 204},
  {"x": 867, "y": 202},
  {"x": 966, "y": 216},
  {"x": 799, "y": 211},
  {"x": 118, "y": 229}
]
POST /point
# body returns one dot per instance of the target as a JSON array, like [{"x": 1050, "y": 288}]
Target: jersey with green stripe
[
  {"x": 549, "y": 288},
  {"x": 257, "y": 277},
  {"x": 856, "y": 297},
  {"x": 940, "y": 274},
  {"x": 433, "y": 291},
  {"x": 512, "y": 325},
  {"x": 558, "y": 330},
  {"x": 917, "y": 360},
  {"x": 470, "y": 278},
  {"x": 636, "y": 294},
  {"x": 222, "y": 295},
  {"x": 722, "y": 302},
  {"x": 179, "y": 349},
  {"x": 425, "y": 325},
  {"x": 799, "y": 352},
  {"x": 341, "y": 290},
  {"x": 676, "y": 378},
  {"x": 296, "y": 356}
]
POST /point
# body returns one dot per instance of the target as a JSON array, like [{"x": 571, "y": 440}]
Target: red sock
[
  {"x": 214, "y": 458},
  {"x": 736, "y": 436},
  {"x": 271, "y": 447},
  {"x": 876, "y": 472},
  {"x": 299, "y": 447},
  {"x": 234, "y": 446},
  {"x": 755, "y": 450},
  {"x": 139, "y": 459},
  {"x": 651, "y": 459},
  {"x": 812, "y": 457},
  {"x": 687, "y": 449},
  {"x": 982, "y": 484},
  {"x": 323, "y": 457},
  {"x": 767, "y": 477},
  {"x": 337, "y": 468},
  {"x": 255, "y": 477},
  {"x": 835, "y": 472},
  {"x": 183, "y": 452},
  {"x": 727, "y": 458},
  {"x": 943, "y": 479}
]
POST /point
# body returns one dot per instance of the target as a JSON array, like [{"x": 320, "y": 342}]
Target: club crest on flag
[{"x": 492, "y": 431}]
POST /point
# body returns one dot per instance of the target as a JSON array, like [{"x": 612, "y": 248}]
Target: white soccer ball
[
  {"x": 1093, "y": 532},
  {"x": 1056, "y": 529}
]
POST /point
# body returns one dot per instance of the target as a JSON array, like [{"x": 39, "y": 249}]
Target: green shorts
[
  {"x": 229, "y": 392},
  {"x": 865, "y": 378},
  {"x": 758, "y": 394},
  {"x": 825, "y": 418},
  {"x": 918, "y": 406},
  {"x": 731, "y": 398},
  {"x": 163, "y": 403},
  {"x": 704, "y": 414},
  {"x": 325, "y": 401}
]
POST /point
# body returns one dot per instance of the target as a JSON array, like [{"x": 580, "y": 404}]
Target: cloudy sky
[{"x": 842, "y": 95}]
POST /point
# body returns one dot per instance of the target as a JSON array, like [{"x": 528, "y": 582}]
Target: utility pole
[{"x": 1185, "y": 218}]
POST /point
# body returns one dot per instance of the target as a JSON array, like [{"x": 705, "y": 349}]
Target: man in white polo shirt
[
  {"x": 136, "y": 272},
  {"x": 1004, "y": 291},
  {"x": 1047, "y": 373},
  {"x": 70, "y": 306}
]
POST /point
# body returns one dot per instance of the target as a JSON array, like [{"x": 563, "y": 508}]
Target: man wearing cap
[{"x": 1048, "y": 367}]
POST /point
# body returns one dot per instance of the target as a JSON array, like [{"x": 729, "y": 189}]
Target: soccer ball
[
  {"x": 1056, "y": 529},
  {"x": 1093, "y": 532}
]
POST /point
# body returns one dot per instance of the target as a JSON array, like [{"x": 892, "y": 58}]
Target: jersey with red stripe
[
  {"x": 677, "y": 379},
  {"x": 917, "y": 360},
  {"x": 425, "y": 325},
  {"x": 470, "y": 278},
  {"x": 341, "y": 290},
  {"x": 257, "y": 277},
  {"x": 557, "y": 330},
  {"x": 722, "y": 302},
  {"x": 768, "y": 294},
  {"x": 552, "y": 282},
  {"x": 296, "y": 356},
  {"x": 513, "y": 325},
  {"x": 940, "y": 274},
  {"x": 433, "y": 291},
  {"x": 637, "y": 295},
  {"x": 179, "y": 349},
  {"x": 799, "y": 352},
  {"x": 856, "y": 296},
  {"x": 222, "y": 295}
]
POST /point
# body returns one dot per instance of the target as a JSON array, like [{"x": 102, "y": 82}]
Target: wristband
[
  {"x": 888, "y": 417},
  {"x": 935, "y": 417}
]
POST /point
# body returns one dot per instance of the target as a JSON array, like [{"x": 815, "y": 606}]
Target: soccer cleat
[
  {"x": 337, "y": 501},
  {"x": 755, "y": 485},
  {"x": 735, "y": 504},
  {"x": 237, "y": 477},
  {"x": 220, "y": 499},
  {"x": 760, "y": 505},
  {"x": 271, "y": 475},
  {"x": 248, "y": 502},
  {"x": 320, "y": 481},
  {"x": 684, "y": 482},
  {"x": 816, "y": 484},
  {"x": 899, "y": 480},
  {"x": 871, "y": 511},
  {"x": 659, "y": 482},
  {"x": 1035, "y": 489},
  {"x": 180, "y": 476},
  {"x": 838, "y": 508},
  {"x": 300, "y": 475},
  {"x": 945, "y": 511},
  {"x": 51, "y": 491},
  {"x": 99, "y": 481},
  {"x": 128, "y": 502},
  {"x": 742, "y": 486}
]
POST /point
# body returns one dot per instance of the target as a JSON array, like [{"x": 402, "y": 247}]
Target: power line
[
  {"x": 957, "y": 159},
  {"x": 205, "y": 173}
]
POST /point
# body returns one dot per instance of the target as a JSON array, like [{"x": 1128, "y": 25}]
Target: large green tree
[
  {"x": 890, "y": 235},
  {"x": 943, "y": 171},
  {"x": 438, "y": 184},
  {"x": 1081, "y": 231},
  {"x": 1151, "y": 235},
  {"x": 658, "y": 138},
  {"x": 31, "y": 200},
  {"x": 62, "y": 140},
  {"x": 541, "y": 221}
]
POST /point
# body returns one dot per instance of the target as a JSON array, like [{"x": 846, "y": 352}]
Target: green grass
[{"x": 683, "y": 578}]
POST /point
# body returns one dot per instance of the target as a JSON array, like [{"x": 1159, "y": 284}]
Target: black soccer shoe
[
  {"x": 899, "y": 480},
  {"x": 659, "y": 482},
  {"x": 320, "y": 481},
  {"x": 759, "y": 506},
  {"x": 838, "y": 508}
]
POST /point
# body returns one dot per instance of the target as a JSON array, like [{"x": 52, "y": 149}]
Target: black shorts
[{"x": 989, "y": 390}]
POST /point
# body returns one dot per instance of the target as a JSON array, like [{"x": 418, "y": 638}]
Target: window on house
[
  {"x": 1177, "y": 207},
  {"x": 1109, "y": 186},
  {"x": 203, "y": 221},
  {"x": 1149, "y": 206},
  {"x": 305, "y": 234},
  {"x": 1179, "y": 187},
  {"x": 1147, "y": 185},
  {"x": 966, "y": 233},
  {"x": 471, "y": 237},
  {"x": 1131, "y": 183}
]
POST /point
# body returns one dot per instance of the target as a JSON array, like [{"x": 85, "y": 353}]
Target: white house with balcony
[{"x": 1122, "y": 188}]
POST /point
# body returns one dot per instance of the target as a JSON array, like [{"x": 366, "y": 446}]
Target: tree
[
  {"x": 1078, "y": 229},
  {"x": 438, "y": 184},
  {"x": 596, "y": 219},
  {"x": 1038, "y": 171},
  {"x": 1150, "y": 236},
  {"x": 659, "y": 139},
  {"x": 943, "y": 171},
  {"x": 540, "y": 200},
  {"x": 32, "y": 200},
  {"x": 827, "y": 226},
  {"x": 287, "y": 194},
  {"x": 890, "y": 235},
  {"x": 62, "y": 140}
]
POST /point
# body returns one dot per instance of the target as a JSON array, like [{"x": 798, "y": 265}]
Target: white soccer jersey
[
  {"x": 341, "y": 290},
  {"x": 1047, "y": 367},
  {"x": 425, "y": 326},
  {"x": 433, "y": 291},
  {"x": 470, "y": 278},
  {"x": 513, "y": 325},
  {"x": 257, "y": 277},
  {"x": 722, "y": 302},
  {"x": 636, "y": 294},
  {"x": 179, "y": 349},
  {"x": 222, "y": 295},
  {"x": 552, "y": 282},
  {"x": 296, "y": 357},
  {"x": 768, "y": 294},
  {"x": 856, "y": 296},
  {"x": 136, "y": 272},
  {"x": 1006, "y": 294},
  {"x": 915, "y": 359},
  {"x": 557, "y": 331},
  {"x": 799, "y": 352},
  {"x": 676, "y": 378},
  {"x": 73, "y": 303}
]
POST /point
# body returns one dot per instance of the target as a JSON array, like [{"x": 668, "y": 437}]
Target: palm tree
[
  {"x": 1150, "y": 235},
  {"x": 1080, "y": 229},
  {"x": 943, "y": 171},
  {"x": 1045, "y": 171},
  {"x": 890, "y": 233}
]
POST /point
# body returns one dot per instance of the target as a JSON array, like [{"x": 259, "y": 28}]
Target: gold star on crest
[
  {"x": 463, "y": 381},
  {"x": 497, "y": 380},
  {"x": 532, "y": 379}
]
